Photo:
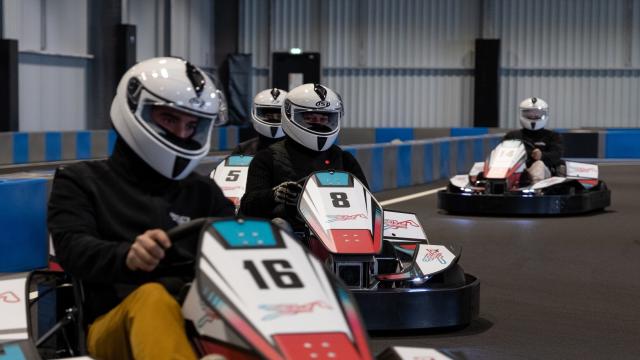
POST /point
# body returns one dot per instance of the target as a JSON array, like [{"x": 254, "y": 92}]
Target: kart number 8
[{"x": 339, "y": 200}]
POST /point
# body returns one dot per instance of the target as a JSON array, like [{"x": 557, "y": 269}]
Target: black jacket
[
  {"x": 97, "y": 208},
  {"x": 549, "y": 142},
  {"x": 253, "y": 145},
  {"x": 267, "y": 171}
]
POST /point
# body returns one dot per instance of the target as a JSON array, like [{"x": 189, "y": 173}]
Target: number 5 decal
[{"x": 233, "y": 175}]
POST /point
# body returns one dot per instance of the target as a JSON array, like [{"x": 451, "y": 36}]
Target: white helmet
[
  {"x": 311, "y": 116},
  {"x": 534, "y": 113},
  {"x": 266, "y": 112},
  {"x": 176, "y": 85}
]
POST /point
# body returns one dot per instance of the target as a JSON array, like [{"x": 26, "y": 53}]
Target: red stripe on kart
[
  {"x": 210, "y": 348},
  {"x": 353, "y": 241},
  {"x": 317, "y": 346}
]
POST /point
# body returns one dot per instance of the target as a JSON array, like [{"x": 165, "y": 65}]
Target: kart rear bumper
[
  {"x": 524, "y": 205},
  {"x": 419, "y": 308}
]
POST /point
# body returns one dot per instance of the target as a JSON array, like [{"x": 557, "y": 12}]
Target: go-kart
[
  {"x": 258, "y": 293},
  {"x": 501, "y": 185},
  {"x": 398, "y": 278},
  {"x": 39, "y": 317},
  {"x": 231, "y": 176}
]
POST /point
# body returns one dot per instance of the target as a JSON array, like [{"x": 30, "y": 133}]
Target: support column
[
  {"x": 9, "y": 85},
  {"x": 104, "y": 17}
]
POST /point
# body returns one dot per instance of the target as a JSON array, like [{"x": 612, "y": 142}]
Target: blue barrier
[
  {"x": 390, "y": 166},
  {"x": 21, "y": 148},
  {"x": 384, "y": 135},
  {"x": 468, "y": 131},
  {"x": 53, "y": 146},
  {"x": 83, "y": 145},
  {"x": 622, "y": 144},
  {"x": 25, "y": 147},
  {"x": 403, "y": 167},
  {"x": 23, "y": 230}
]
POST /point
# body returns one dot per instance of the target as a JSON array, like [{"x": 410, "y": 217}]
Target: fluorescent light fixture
[{"x": 295, "y": 51}]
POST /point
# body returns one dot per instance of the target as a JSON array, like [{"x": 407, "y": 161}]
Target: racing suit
[
  {"x": 96, "y": 210},
  {"x": 549, "y": 143},
  {"x": 289, "y": 161}
]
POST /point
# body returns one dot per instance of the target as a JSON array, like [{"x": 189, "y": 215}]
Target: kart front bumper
[
  {"x": 507, "y": 204},
  {"x": 420, "y": 308}
]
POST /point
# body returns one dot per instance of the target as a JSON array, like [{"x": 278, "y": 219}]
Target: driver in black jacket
[
  {"x": 108, "y": 218},
  {"x": 265, "y": 118},
  {"x": 544, "y": 147},
  {"x": 311, "y": 117}
]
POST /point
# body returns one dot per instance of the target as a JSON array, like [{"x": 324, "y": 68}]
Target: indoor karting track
[{"x": 551, "y": 288}]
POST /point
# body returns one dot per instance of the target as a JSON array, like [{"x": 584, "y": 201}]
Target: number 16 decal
[{"x": 282, "y": 279}]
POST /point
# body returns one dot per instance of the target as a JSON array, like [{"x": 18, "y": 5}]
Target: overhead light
[{"x": 295, "y": 51}]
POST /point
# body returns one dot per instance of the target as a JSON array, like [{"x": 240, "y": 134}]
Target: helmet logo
[
  {"x": 196, "y": 102},
  {"x": 323, "y": 104}
]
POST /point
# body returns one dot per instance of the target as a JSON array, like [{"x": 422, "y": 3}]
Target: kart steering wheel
[{"x": 184, "y": 244}]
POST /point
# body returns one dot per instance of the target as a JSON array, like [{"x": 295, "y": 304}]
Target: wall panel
[
  {"x": 404, "y": 98},
  {"x": 52, "y": 92},
  {"x": 562, "y": 34},
  {"x": 148, "y": 16},
  {"x": 577, "y": 98},
  {"x": 192, "y": 31}
]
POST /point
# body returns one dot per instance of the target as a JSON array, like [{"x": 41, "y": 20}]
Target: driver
[
  {"x": 265, "y": 117},
  {"x": 108, "y": 218},
  {"x": 311, "y": 118},
  {"x": 544, "y": 147}
]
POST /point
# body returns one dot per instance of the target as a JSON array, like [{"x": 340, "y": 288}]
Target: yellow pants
[{"x": 147, "y": 324}]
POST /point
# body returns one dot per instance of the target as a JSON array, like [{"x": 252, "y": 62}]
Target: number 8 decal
[{"x": 339, "y": 200}]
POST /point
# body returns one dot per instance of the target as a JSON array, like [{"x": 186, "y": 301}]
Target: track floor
[{"x": 551, "y": 287}]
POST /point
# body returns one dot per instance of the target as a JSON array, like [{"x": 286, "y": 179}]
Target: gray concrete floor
[{"x": 551, "y": 287}]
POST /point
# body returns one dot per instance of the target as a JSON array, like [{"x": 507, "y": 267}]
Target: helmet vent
[
  {"x": 320, "y": 90},
  {"x": 196, "y": 78},
  {"x": 275, "y": 93},
  {"x": 534, "y": 100},
  {"x": 134, "y": 88}
]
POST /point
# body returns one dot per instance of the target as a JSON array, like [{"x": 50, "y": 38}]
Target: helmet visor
[
  {"x": 183, "y": 129},
  {"x": 534, "y": 114},
  {"x": 317, "y": 121},
  {"x": 270, "y": 115}
]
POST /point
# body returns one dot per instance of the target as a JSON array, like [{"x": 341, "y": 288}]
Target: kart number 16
[{"x": 275, "y": 268}]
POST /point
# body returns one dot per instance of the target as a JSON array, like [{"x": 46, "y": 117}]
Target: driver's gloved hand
[{"x": 287, "y": 193}]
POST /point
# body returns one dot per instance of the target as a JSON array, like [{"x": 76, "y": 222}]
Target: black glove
[{"x": 287, "y": 193}]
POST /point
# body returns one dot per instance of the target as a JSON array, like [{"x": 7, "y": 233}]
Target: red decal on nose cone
[{"x": 9, "y": 297}]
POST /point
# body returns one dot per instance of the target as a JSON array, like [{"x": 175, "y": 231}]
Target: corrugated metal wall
[
  {"x": 579, "y": 55},
  {"x": 53, "y": 62},
  {"x": 396, "y": 63},
  {"x": 409, "y": 62},
  {"x": 190, "y": 31}
]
